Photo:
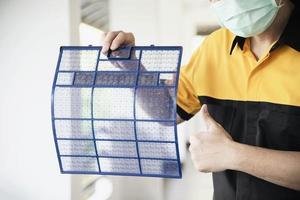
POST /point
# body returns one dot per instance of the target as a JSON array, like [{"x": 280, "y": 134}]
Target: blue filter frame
[{"x": 115, "y": 114}]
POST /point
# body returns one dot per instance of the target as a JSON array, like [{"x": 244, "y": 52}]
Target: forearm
[
  {"x": 279, "y": 167},
  {"x": 156, "y": 103}
]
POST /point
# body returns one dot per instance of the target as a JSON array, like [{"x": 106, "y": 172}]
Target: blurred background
[{"x": 31, "y": 32}]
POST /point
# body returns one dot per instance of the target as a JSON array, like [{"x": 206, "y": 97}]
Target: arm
[
  {"x": 279, "y": 167},
  {"x": 116, "y": 39},
  {"x": 147, "y": 98},
  {"x": 214, "y": 150}
]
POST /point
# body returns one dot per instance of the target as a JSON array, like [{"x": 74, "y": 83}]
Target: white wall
[
  {"x": 31, "y": 32},
  {"x": 162, "y": 22}
]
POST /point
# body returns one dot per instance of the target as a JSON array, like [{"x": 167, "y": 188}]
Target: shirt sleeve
[{"x": 188, "y": 103}]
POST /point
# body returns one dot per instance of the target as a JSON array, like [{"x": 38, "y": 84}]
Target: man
[{"x": 245, "y": 81}]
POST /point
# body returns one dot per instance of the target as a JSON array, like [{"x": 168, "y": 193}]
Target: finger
[
  {"x": 195, "y": 139},
  {"x": 110, "y": 36},
  {"x": 130, "y": 40},
  {"x": 209, "y": 121},
  {"x": 204, "y": 110},
  {"x": 122, "y": 39}
]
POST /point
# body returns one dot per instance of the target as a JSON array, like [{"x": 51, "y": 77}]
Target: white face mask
[{"x": 246, "y": 18}]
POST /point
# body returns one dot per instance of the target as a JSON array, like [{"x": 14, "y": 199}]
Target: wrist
[{"x": 235, "y": 157}]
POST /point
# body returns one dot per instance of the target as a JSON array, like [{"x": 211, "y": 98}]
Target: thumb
[{"x": 207, "y": 119}]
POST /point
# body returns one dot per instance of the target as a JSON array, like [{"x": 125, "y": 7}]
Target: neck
[{"x": 262, "y": 41}]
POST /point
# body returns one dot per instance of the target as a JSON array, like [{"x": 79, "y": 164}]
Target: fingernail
[
  {"x": 205, "y": 108},
  {"x": 104, "y": 49},
  {"x": 113, "y": 47}
]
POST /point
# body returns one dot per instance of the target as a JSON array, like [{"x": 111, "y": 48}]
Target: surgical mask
[{"x": 246, "y": 18}]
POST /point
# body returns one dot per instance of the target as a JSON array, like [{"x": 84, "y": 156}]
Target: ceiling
[{"x": 95, "y": 13}]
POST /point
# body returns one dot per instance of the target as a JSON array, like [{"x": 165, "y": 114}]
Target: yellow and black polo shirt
[{"x": 257, "y": 102}]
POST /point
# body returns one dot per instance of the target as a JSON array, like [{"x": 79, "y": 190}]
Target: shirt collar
[{"x": 290, "y": 35}]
